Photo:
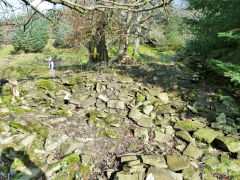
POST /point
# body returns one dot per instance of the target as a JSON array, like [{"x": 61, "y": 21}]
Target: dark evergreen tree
[
  {"x": 31, "y": 37},
  {"x": 214, "y": 18}
]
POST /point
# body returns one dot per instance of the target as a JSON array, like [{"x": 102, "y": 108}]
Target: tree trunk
[
  {"x": 91, "y": 48},
  {"x": 123, "y": 44},
  {"x": 137, "y": 40},
  {"x": 102, "y": 51},
  {"x": 98, "y": 42}
]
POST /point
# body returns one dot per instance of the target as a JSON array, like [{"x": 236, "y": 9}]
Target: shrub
[
  {"x": 61, "y": 35},
  {"x": 31, "y": 37}
]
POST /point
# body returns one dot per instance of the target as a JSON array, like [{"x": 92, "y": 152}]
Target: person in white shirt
[{"x": 51, "y": 65}]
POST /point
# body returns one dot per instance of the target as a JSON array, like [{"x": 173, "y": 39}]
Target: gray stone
[
  {"x": 162, "y": 174},
  {"x": 145, "y": 122},
  {"x": 54, "y": 140},
  {"x": 184, "y": 135},
  {"x": 141, "y": 133},
  {"x": 231, "y": 106},
  {"x": 70, "y": 145},
  {"x": 27, "y": 141},
  {"x": 148, "y": 109},
  {"x": 127, "y": 176},
  {"x": 4, "y": 110},
  {"x": 88, "y": 102},
  {"x": 163, "y": 98},
  {"x": 103, "y": 98},
  {"x": 193, "y": 152},
  {"x": 161, "y": 137},
  {"x": 57, "y": 120},
  {"x": 177, "y": 162},
  {"x": 116, "y": 104},
  {"x": 138, "y": 168},
  {"x": 133, "y": 163},
  {"x": 211, "y": 161},
  {"x": 154, "y": 160},
  {"x": 188, "y": 126},
  {"x": 206, "y": 135},
  {"x": 140, "y": 118},
  {"x": 191, "y": 174},
  {"x": 135, "y": 114},
  {"x": 128, "y": 158},
  {"x": 229, "y": 143},
  {"x": 221, "y": 118},
  {"x": 29, "y": 174},
  {"x": 4, "y": 127},
  {"x": 6, "y": 139}
]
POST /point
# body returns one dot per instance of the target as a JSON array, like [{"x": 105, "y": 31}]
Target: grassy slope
[
  {"x": 9, "y": 58},
  {"x": 26, "y": 65},
  {"x": 147, "y": 54}
]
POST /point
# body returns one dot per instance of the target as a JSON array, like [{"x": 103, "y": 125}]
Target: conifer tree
[{"x": 31, "y": 37}]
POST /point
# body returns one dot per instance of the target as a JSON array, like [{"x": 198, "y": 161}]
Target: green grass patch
[
  {"x": 147, "y": 54},
  {"x": 70, "y": 56}
]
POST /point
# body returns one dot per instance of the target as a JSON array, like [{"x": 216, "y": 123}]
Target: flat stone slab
[
  {"x": 128, "y": 158},
  {"x": 127, "y": 176},
  {"x": 54, "y": 140},
  {"x": 163, "y": 97},
  {"x": 140, "y": 118},
  {"x": 191, "y": 174},
  {"x": 163, "y": 174},
  {"x": 177, "y": 162},
  {"x": 116, "y": 104},
  {"x": 188, "y": 126},
  {"x": 154, "y": 160},
  {"x": 229, "y": 143},
  {"x": 206, "y": 135},
  {"x": 184, "y": 135},
  {"x": 193, "y": 151},
  {"x": 70, "y": 145}
]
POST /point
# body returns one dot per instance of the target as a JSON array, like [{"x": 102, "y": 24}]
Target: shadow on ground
[{"x": 17, "y": 165}]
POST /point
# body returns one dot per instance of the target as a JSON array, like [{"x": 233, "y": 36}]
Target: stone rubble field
[{"x": 118, "y": 126}]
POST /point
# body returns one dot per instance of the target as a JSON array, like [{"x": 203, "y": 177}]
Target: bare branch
[
  {"x": 104, "y": 4},
  {"x": 35, "y": 9}
]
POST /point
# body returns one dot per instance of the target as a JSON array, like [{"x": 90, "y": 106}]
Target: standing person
[{"x": 51, "y": 65}]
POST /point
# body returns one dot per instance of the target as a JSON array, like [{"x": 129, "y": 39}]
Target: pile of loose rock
[{"x": 107, "y": 126}]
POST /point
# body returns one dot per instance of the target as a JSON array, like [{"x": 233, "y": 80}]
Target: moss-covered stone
[
  {"x": 68, "y": 165},
  {"x": 84, "y": 171},
  {"x": 62, "y": 113},
  {"x": 20, "y": 110},
  {"x": 229, "y": 143},
  {"x": 46, "y": 84},
  {"x": 18, "y": 126},
  {"x": 188, "y": 126},
  {"x": 206, "y": 135},
  {"x": 6, "y": 90},
  {"x": 110, "y": 134},
  {"x": 140, "y": 98}
]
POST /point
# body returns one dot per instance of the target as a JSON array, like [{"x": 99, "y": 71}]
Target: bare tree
[{"x": 124, "y": 10}]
